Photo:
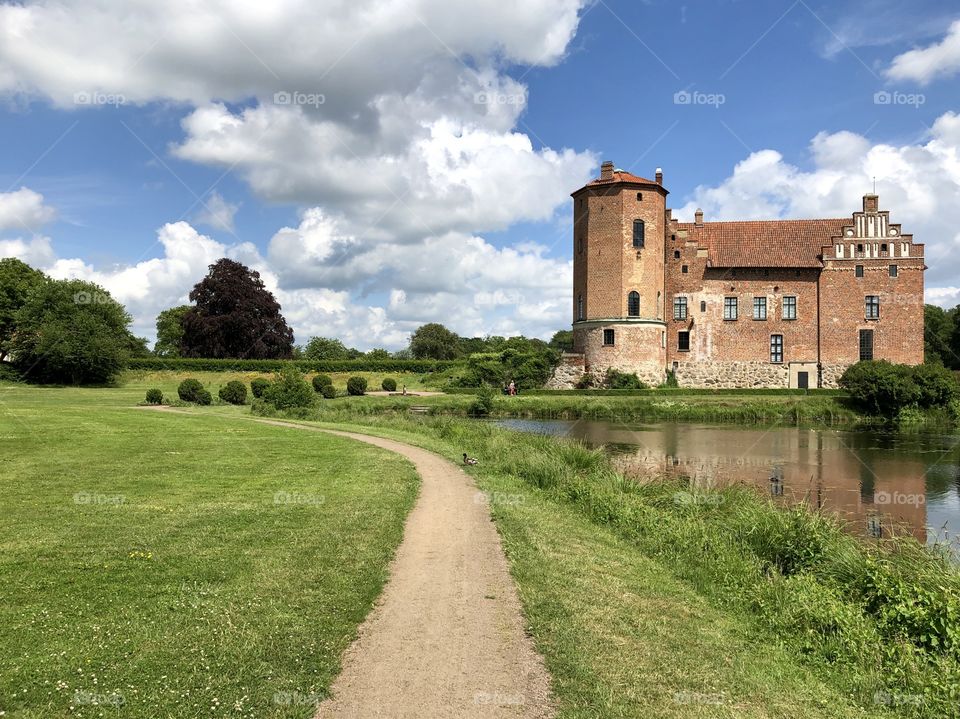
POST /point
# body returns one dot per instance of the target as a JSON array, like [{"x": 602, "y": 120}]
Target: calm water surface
[{"x": 878, "y": 482}]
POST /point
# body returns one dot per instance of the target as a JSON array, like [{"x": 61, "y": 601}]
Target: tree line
[{"x": 74, "y": 332}]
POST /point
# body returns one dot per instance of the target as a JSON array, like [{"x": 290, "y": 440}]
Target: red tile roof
[
  {"x": 765, "y": 243},
  {"x": 621, "y": 176}
]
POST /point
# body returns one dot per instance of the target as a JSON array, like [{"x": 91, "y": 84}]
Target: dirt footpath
[{"x": 446, "y": 638}]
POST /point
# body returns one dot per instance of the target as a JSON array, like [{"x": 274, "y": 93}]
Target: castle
[{"x": 768, "y": 303}]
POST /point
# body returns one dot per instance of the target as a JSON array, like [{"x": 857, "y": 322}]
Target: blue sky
[{"x": 430, "y": 182}]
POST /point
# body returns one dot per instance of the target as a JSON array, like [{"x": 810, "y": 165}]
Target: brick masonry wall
[{"x": 637, "y": 348}]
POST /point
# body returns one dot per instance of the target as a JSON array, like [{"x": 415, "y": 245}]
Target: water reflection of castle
[{"x": 875, "y": 493}]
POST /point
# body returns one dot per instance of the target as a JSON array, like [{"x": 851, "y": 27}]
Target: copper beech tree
[{"x": 234, "y": 316}]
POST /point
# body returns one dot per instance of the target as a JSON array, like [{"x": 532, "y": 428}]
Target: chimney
[
  {"x": 871, "y": 203},
  {"x": 659, "y": 176},
  {"x": 606, "y": 170},
  {"x": 698, "y": 218}
]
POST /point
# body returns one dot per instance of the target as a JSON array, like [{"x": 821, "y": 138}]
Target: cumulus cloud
[
  {"x": 217, "y": 212},
  {"x": 925, "y": 64},
  {"x": 918, "y": 183},
  {"x": 24, "y": 209}
]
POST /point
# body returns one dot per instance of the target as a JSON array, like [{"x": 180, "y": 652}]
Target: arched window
[
  {"x": 633, "y": 304},
  {"x": 638, "y": 234},
  {"x": 579, "y": 307}
]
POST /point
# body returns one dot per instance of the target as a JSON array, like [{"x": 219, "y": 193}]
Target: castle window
[
  {"x": 608, "y": 337},
  {"x": 580, "y": 307},
  {"x": 684, "y": 269},
  {"x": 893, "y": 270},
  {"x": 776, "y": 349},
  {"x": 883, "y": 248},
  {"x": 638, "y": 234},
  {"x": 860, "y": 249},
  {"x": 872, "y": 307},
  {"x": 729, "y": 308},
  {"x": 676, "y": 254},
  {"x": 639, "y": 196},
  {"x": 759, "y": 308},
  {"x": 679, "y": 308},
  {"x": 683, "y": 341},
  {"x": 703, "y": 305},
  {"x": 633, "y": 304},
  {"x": 859, "y": 271},
  {"x": 866, "y": 345},
  {"x": 789, "y": 308}
]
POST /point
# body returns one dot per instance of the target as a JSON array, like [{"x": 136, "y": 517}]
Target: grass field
[{"x": 155, "y": 564}]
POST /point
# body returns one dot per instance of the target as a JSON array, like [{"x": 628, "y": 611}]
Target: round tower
[{"x": 618, "y": 274}]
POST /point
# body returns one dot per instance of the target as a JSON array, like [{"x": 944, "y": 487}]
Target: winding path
[{"x": 447, "y": 637}]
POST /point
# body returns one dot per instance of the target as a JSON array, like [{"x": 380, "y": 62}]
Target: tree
[
  {"x": 170, "y": 331},
  {"x": 938, "y": 326},
  {"x": 325, "y": 348},
  {"x": 378, "y": 353},
  {"x": 434, "y": 341},
  {"x": 234, "y": 316},
  {"x": 71, "y": 331},
  {"x": 562, "y": 341},
  {"x": 17, "y": 279}
]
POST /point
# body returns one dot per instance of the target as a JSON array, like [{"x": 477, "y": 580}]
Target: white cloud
[
  {"x": 923, "y": 65},
  {"x": 217, "y": 212},
  {"x": 24, "y": 209},
  {"x": 918, "y": 183}
]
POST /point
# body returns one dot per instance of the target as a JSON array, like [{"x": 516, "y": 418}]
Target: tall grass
[{"x": 881, "y": 621}]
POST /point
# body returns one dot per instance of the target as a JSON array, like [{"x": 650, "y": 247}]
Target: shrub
[
  {"x": 204, "y": 397},
  {"x": 234, "y": 392},
  {"x": 289, "y": 389},
  {"x": 483, "y": 404},
  {"x": 154, "y": 396},
  {"x": 189, "y": 389},
  {"x": 356, "y": 386},
  {"x": 938, "y": 386},
  {"x": 320, "y": 381},
  {"x": 881, "y": 388},
  {"x": 622, "y": 380},
  {"x": 671, "y": 381},
  {"x": 586, "y": 381},
  {"x": 389, "y": 385},
  {"x": 328, "y": 391},
  {"x": 198, "y": 364},
  {"x": 258, "y": 386}
]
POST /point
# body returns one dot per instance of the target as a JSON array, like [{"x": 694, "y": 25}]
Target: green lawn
[{"x": 166, "y": 565}]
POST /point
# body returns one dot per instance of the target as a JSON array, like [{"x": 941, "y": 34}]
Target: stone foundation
[
  {"x": 731, "y": 375},
  {"x": 567, "y": 373},
  {"x": 831, "y": 375}
]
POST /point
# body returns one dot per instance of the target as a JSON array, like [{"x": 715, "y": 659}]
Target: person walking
[{"x": 513, "y": 388}]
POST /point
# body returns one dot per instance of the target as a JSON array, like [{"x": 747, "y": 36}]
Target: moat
[{"x": 879, "y": 482}]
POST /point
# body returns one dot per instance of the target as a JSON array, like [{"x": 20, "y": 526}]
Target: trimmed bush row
[{"x": 241, "y": 365}]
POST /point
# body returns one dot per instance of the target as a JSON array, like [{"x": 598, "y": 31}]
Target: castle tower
[{"x": 618, "y": 274}]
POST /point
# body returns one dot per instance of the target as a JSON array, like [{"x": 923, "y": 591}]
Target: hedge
[
  {"x": 665, "y": 392},
  {"x": 249, "y": 365}
]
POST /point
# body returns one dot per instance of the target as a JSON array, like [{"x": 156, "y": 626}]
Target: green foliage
[
  {"x": 377, "y": 353},
  {"x": 434, "y": 341},
  {"x": 528, "y": 363},
  {"x": 482, "y": 406},
  {"x": 234, "y": 392},
  {"x": 194, "y": 364},
  {"x": 71, "y": 331},
  {"x": 884, "y": 389},
  {"x": 17, "y": 280},
  {"x": 320, "y": 381},
  {"x": 234, "y": 315},
  {"x": 154, "y": 396},
  {"x": 586, "y": 381},
  {"x": 615, "y": 379},
  {"x": 389, "y": 384},
  {"x": 671, "y": 381},
  {"x": 562, "y": 341},
  {"x": 258, "y": 387},
  {"x": 289, "y": 389},
  {"x": 325, "y": 348},
  {"x": 328, "y": 391},
  {"x": 204, "y": 397},
  {"x": 357, "y": 386},
  {"x": 940, "y": 335},
  {"x": 170, "y": 331},
  {"x": 189, "y": 389}
]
